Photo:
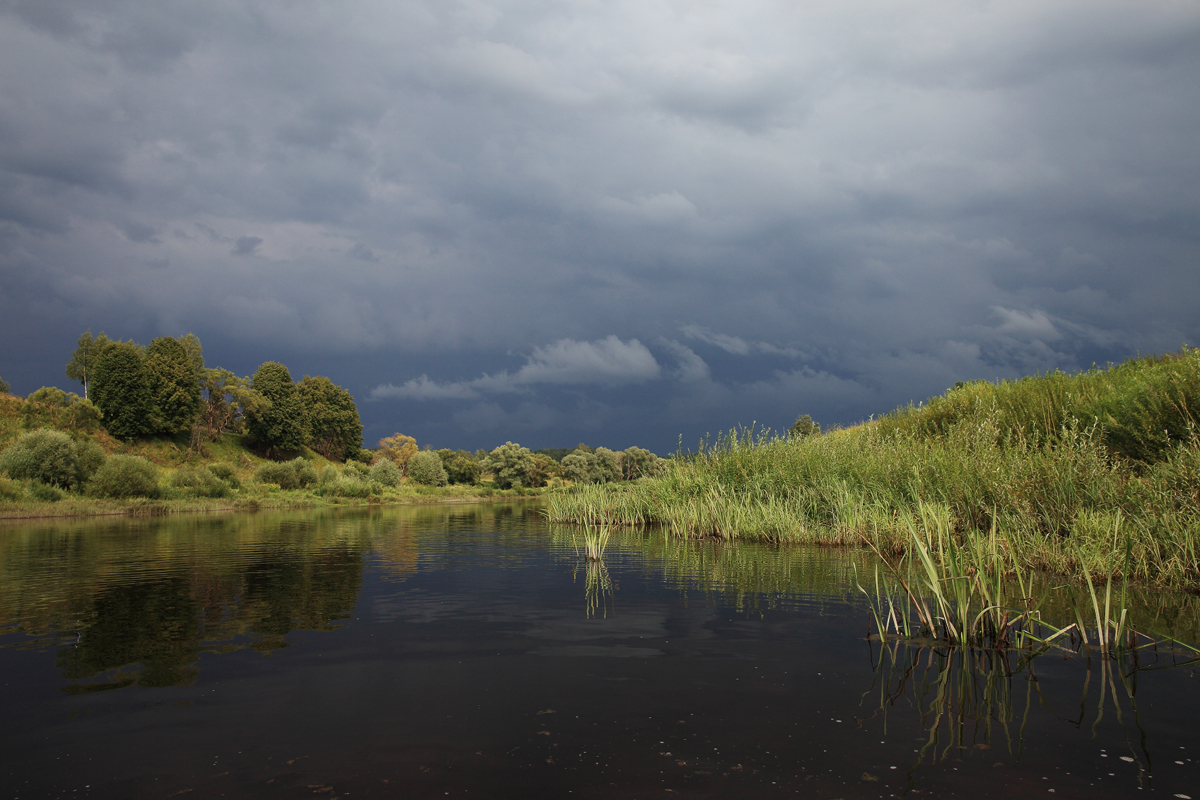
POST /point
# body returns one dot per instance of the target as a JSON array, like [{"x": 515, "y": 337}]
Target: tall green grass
[{"x": 1044, "y": 467}]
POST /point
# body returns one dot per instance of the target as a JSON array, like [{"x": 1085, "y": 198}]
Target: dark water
[{"x": 469, "y": 651}]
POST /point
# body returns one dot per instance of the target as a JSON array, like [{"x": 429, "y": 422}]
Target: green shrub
[
  {"x": 426, "y": 468},
  {"x": 294, "y": 474},
  {"x": 227, "y": 473},
  {"x": 89, "y": 456},
  {"x": 10, "y": 490},
  {"x": 125, "y": 476},
  {"x": 45, "y": 493},
  {"x": 42, "y": 455},
  {"x": 347, "y": 483},
  {"x": 361, "y": 467},
  {"x": 199, "y": 482},
  {"x": 385, "y": 473}
]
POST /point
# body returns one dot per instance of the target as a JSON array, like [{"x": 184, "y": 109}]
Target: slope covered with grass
[{"x": 1096, "y": 472}]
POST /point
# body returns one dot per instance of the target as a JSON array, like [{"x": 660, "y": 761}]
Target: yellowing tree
[{"x": 399, "y": 449}]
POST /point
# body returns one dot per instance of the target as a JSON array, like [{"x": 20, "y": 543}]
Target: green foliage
[
  {"x": 637, "y": 462},
  {"x": 173, "y": 384},
  {"x": 51, "y": 396},
  {"x": 1143, "y": 408},
  {"x": 199, "y": 481},
  {"x": 545, "y": 469},
  {"x": 461, "y": 466},
  {"x": 50, "y": 407},
  {"x": 385, "y": 472},
  {"x": 426, "y": 468},
  {"x": 123, "y": 476},
  {"x": 121, "y": 390},
  {"x": 43, "y": 455},
  {"x": 346, "y": 483},
  {"x": 227, "y": 473},
  {"x": 278, "y": 425},
  {"x": 510, "y": 465},
  {"x": 804, "y": 426},
  {"x": 294, "y": 474},
  {"x": 398, "y": 448},
  {"x": 5, "y": 388},
  {"x": 89, "y": 457},
  {"x": 45, "y": 493},
  {"x": 85, "y": 358},
  {"x": 593, "y": 466},
  {"x": 334, "y": 429}
]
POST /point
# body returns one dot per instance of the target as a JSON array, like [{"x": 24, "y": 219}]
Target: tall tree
[
  {"x": 174, "y": 385},
  {"x": 334, "y": 429},
  {"x": 84, "y": 359},
  {"x": 120, "y": 387},
  {"x": 277, "y": 426}
]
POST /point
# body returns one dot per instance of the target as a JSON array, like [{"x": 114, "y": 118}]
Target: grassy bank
[{"x": 1096, "y": 473}]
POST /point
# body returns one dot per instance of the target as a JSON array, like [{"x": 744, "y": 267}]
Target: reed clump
[{"x": 1040, "y": 467}]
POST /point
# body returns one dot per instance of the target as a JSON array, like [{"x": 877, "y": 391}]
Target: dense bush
[
  {"x": 89, "y": 457},
  {"x": 385, "y": 473},
  {"x": 426, "y": 468},
  {"x": 227, "y": 473},
  {"x": 125, "y": 476},
  {"x": 43, "y": 455},
  {"x": 345, "y": 483},
  {"x": 294, "y": 474},
  {"x": 45, "y": 493},
  {"x": 199, "y": 482}
]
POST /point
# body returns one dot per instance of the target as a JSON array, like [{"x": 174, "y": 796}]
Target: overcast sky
[{"x": 613, "y": 222}]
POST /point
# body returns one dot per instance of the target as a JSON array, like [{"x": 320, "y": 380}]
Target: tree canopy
[
  {"x": 277, "y": 425},
  {"x": 334, "y": 428},
  {"x": 121, "y": 390}
]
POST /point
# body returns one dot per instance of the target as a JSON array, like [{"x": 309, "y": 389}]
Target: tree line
[{"x": 165, "y": 389}]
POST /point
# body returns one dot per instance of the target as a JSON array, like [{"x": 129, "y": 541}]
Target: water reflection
[{"x": 970, "y": 699}]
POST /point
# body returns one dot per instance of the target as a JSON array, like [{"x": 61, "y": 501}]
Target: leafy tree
[
  {"x": 461, "y": 466},
  {"x": 278, "y": 424},
  {"x": 426, "y": 468},
  {"x": 510, "y": 465},
  {"x": 804, "y": 427},
  {"x": 120, "y": 387},
  {"x": 544, "y": 469},
  {"x": 224, "y": 399},
  {"x": 5, "y": 388},
  {"x": 334, "y": 428},
  {"x": 397, "y": 448},
  {"x": 609, "y": 463},
  {"x": 85, "y": 358},
  {"x": 174, "y": 385},
  {"x": 195, "y": 354},
  {"x": 582, "y": 467},
  {"x": 637, "y": 462}
]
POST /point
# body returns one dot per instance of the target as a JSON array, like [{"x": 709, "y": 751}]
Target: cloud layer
[{"x": 825, "y": 208}]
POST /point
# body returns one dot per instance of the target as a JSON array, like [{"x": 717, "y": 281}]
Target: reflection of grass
[{"x": 966, "y": 697}]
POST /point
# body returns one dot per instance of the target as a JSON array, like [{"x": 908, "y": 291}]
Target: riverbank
[
  {"x": 1092, "y": 474},
  {"x": 277, "y": 500}
]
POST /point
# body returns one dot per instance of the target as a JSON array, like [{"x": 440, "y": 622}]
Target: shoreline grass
[{"x": 1047, "y": 467}]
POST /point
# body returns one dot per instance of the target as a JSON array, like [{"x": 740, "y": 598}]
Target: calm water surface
[{"x": 469, "y": 651}]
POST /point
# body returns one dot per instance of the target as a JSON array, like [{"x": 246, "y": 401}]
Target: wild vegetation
[
  {"x": 156, "y": 430},
  {"x": 1093, "y": 474}
]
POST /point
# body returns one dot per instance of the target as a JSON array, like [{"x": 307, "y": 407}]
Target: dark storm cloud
[{"x": 827, "y": 208}]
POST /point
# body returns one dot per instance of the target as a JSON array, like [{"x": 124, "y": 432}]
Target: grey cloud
[
  {"x": 246, "y": 245},
  {"x": 895, "y": 198}
]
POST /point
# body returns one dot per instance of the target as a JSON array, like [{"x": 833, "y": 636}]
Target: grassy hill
[{"x": 1096, "y": 472}]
